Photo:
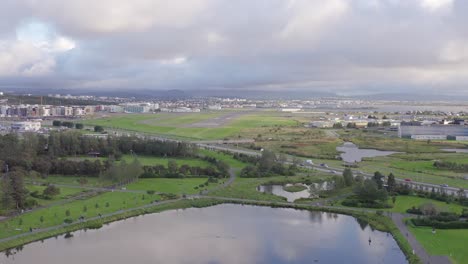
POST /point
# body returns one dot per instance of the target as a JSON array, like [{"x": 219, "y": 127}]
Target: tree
[
  {"x": 79, "y": 126},
  {"x": 267, "y": 161},
  {"x": 68, "y": 124},
  {"x": 41, "y": 219},
  {"x": 391, "y": 183},
  {"x": 67, "y": 213},
  {"x": 428, "y": 209},
  {"x": 51, "y": 191},
  {"x": 57, "y": 123},
  {"x": 172, "y": 167},
  {"x": 7, "y": 199},
  {"x": 337, "y": 125},
  {"x": 348, "y": 177},
  {"x": 18, "y": 191},
  {"x": 351, "y": 125},
  {"x": 393, "y": 199},
  {"x": 378, "y": 179},
  {"x": 368, "y": 191},
  {"x": 98, "y": 129}
]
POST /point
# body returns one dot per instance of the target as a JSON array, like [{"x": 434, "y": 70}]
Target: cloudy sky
[{"x": 345, "y": 46}]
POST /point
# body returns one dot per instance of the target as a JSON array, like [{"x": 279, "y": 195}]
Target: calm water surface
[
  {"x": 352, "y": 153},
  {"x": 456, "y": 150},
  {"x": 220, "y": 234},
  {"x": 311, "y": 190}
]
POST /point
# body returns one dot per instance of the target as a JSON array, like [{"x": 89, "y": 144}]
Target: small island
[{"x": 294, "y": 188}]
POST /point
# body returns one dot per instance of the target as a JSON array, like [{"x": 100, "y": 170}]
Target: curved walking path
[{"x": 399, "y": 221}]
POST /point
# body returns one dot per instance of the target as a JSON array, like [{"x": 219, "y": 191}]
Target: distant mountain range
[{"x": 244, "y": 93}]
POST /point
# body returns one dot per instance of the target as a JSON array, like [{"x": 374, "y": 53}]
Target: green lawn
[
  {"x": 233, "y": 163},
  {"x": 64, "y": 193},
  {"x": 176, "y": 186},
  {"x": 56, "y": 214},
  {"x": 153, "y": 161},
  {"x": 68, "y": 180},
  {"x": 403, "y": 203},
  {"x": 447, "y": 242}
]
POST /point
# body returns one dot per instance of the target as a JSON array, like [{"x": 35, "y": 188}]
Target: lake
[
  {"x": 352, "y": 153},
  {"x": 220, "y": 234}
]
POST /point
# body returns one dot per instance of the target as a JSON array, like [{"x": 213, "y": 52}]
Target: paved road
[
  {"x": 232, "y": 177},
  {"x": 398, "y": 219}
]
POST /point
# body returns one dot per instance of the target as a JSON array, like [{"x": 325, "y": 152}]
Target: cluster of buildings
[
  {"x": 357, "y": 122},
  {"x": 23, "y": 126},
  {"x": 39, "y": 111},
  {"x": 453, "y": 130}
]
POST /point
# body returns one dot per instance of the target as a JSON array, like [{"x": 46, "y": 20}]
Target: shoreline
[{"x": 378, "y": 222}]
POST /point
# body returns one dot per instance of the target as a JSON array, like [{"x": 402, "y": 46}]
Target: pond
[
  {"x": 352, "y": 153},
  {"x": 220, "y": 234},
  {"x": 311, "y": 190},
  {"x": 456, "y": 150}
]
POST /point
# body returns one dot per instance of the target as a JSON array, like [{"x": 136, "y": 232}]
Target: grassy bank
[
  {"x": 179, "y": 204},
  {"x": 447, "y": 242},
  {"x": 378, "y": 222}
]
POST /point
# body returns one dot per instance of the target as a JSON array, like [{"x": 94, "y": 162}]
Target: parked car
[
  {"x": 444, "y": 185},
  {"x": 408, "y": 180}
]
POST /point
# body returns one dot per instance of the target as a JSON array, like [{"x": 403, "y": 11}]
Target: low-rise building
[{"x": 27, "y": 126}]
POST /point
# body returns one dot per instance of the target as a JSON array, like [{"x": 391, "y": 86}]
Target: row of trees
[
  {"x": 453, "y": 166},
  {"x": 174, "y": 171},
  {"x": 121, "y": 172},
  {"x": 24, "y": 152},
  {"x": 58, "y": 123}
]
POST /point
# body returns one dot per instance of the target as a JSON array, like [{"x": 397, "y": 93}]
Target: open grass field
[
  {"x": 448, "y": 242},
  {"x": 68, "y": 180},
  {"x": 233, "y": 163},
  {"x": 404, "y": 202},
  {"x": 153, "y": 161},
  {"x": 55, "y": 215},
  {"x": 191, "y": 125},
  {"x": 176, "y": 186},
  {"x": 299, "y": 141},
  {"x": 65, "y": 193}
]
